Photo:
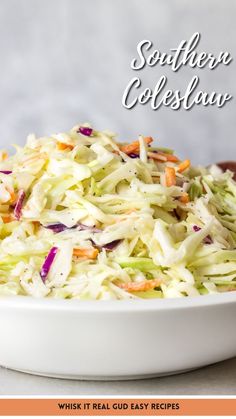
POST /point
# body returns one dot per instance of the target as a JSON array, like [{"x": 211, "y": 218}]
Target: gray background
[{"x": 68, "y": 61}]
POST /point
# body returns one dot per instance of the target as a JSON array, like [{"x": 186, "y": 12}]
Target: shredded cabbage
[{"x": 128, "y": 221}]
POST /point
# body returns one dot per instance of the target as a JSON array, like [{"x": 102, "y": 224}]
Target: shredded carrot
[
  {"x": 184, "y": 198},
  {"x": 149, "y": 284},
  {"x": 7, "y": 218},
  {"x": 3, "y": 155},
  {"x": 64, "y": 146},
  {"x": 87, "y": 253},
  {"x": 12, "y": 194},
  {"x": 148, "y": 140},
  {"x": 13, "y": 197},
  {"x": 162, "y": 156},
  {"x": 183, "y": 166},
  {"x": 169, "y": 157},
  {"x": 170, "y": 176},
  {"x": 36, "y": 225},
  {"x": 156, "y": 156},
  {"x": 134, "y": 146}
]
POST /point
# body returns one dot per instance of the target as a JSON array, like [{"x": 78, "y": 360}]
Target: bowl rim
[{"x": 119, "y": 306}]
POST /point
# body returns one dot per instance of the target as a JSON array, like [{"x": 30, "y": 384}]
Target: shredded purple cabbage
[
  {"x": 19, "y": 204},
  {"x": 207, "y": 239},
  {"x": 108, "y": 246},
  {"x": 48, "y": 263},
  {"x": 86, "y": 131},
  {"x": 6, "y": 172},
  {"x": 112, "y": 245},
  {"x": 59, "y": 227},
  {"x": 134, "y": 155}
]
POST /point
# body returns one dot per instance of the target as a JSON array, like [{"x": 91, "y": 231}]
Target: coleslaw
[{"x": 85, "y": 217}]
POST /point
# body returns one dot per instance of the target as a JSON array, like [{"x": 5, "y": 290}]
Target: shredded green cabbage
[{"x": 120, "y": 229}]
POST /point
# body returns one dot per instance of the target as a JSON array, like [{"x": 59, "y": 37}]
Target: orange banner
[{"x": 118, "y": 407}]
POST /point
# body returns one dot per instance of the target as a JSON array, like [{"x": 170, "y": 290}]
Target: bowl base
[{"x": 102, "y": 377}]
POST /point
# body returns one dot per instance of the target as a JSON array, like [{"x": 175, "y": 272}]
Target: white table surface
[{"x": 217, "y": 379}]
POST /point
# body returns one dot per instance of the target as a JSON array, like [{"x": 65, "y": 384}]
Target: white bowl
[{"x": 116, "y": 339}]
